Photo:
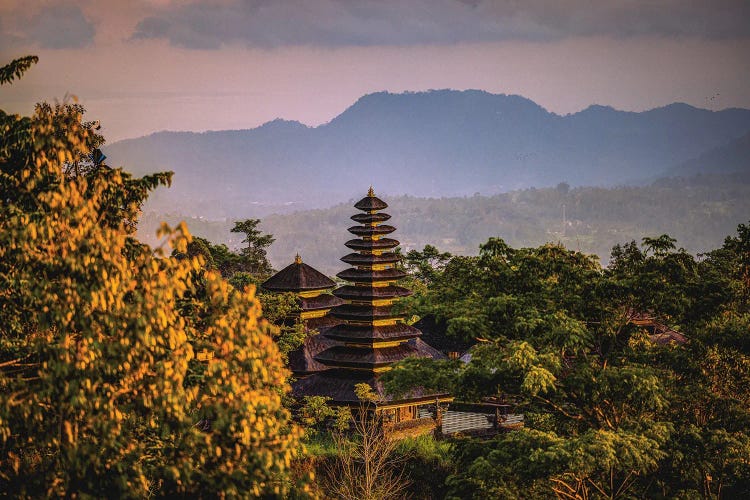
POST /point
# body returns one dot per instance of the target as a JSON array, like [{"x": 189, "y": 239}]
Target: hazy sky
[{"x": 146, "y": 65}]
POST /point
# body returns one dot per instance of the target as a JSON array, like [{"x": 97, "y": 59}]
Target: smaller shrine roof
[{"x": 297, "y": 277}]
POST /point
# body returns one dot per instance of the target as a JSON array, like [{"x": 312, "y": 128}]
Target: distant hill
[
  {"x": 731, "y": 157},
  {"x": 700, "y": 212},
  {"x": 433, "y": 144}
]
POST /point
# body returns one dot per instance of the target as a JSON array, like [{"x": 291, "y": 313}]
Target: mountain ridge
[
  {"x": 733, "y": 156},
  {"x": 433, "y": 143}
]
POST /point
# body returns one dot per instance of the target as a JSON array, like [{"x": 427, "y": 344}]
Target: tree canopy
[
  {"x": 609, "y": 412},
  {"x": 101, "y": 391}
]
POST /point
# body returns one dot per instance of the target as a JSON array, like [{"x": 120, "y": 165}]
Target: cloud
[
  {"x": 61, "y": 27},
  {"x": 332, "y": 23},
  {"x": 56, "y": 26}
]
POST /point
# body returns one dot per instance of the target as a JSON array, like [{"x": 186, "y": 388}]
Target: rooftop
[{"x": 298, "y": 277}]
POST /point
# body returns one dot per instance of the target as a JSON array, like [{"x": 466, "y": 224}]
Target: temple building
[
  {"x": 314, "y": 302},
  {"x": 363, "y": 336}
]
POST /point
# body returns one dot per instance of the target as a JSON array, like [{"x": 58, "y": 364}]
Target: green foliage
[
  {"x": 365, "y": 393},
  {"x": 656, "y": 278},
  {"x": 427, "y": 462},
  {"x": 16, "y": 68},
  {"x": 198, "y": 246},
  {"x": 610, "y": 414},
  {"x": 438, "y": 376},
  {"x": 425, "y": 265},
  {"x": 249, "y": 266},
  {"x": 253, "y": 257},
  {"x": 278, "y": 308},
  {"x": 427, "y": 448},
  {"x": 315, "y": 411}
]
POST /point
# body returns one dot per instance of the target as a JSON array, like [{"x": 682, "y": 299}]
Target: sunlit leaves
[
  {"x": 538, "y": 380},
  {"x": 97, "y": 358}
]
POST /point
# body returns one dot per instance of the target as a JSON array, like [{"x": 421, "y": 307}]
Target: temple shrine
[{"x": 360, "y": 336}]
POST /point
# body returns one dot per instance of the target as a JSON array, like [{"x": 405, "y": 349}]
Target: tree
[
  {"x": 554, "y": 343},
  {"x": 608, "y": 412},
  {"x": 366, "y": 465},
  {"x": 97, "y": 359},
  {"x": 16, "y": 68},
  {"x": 278, "y": 308},
  {"x": 253, "y": 257},
  {"x": 424, "y": 266}
]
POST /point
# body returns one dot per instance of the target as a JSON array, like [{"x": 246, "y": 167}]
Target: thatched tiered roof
[{"x": 298, "y": 277}]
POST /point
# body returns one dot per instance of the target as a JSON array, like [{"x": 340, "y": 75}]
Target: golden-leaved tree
[{"x": 101, "y": 393}]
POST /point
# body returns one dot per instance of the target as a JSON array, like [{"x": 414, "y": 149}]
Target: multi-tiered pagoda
[
  {"x": 314, "y": 302},
  {"x": 371, "y": 336}
]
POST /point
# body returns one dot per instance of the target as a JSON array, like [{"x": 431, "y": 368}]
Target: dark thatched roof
[
  {"x": 358, "y": 259},
  {"x": 371, "y": 230},
  {"x": 368, "y": 218},
  {"x": 381, "y": 244},
  {"x": 302, "y": 360},
  {"x": 368, "y": 276},
  {"x": 364, "y": 312},
  {"x": 366, "y": 357},
  {"x": 425, "y": 350},
  {"x": 369, "y": 203},
  {"x": 339, "y": 386},
  {"x": 384, "y": 333},
  {"x": 322, "y": 301},
  {"x": 435, "y": 334},
  {"x": 323, "y": 323},
  {"x": 298, "y": 277},
  {"x": 350, "y": 292}
]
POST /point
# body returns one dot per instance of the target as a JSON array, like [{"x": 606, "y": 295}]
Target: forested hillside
[
  {"x": 699, "y": 212},
  {"x": 731, "y": 157}
]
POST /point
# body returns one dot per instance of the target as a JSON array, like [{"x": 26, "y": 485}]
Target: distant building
[{"x": 658, "y": 332}]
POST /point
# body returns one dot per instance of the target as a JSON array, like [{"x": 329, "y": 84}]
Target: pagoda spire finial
[
  {"x": 371, "y": 192},
  {"x": 297, "y": 259}
]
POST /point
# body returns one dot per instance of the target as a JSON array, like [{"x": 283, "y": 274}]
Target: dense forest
[
  {"x": 698, "y": 211},
  {"x": 610, "y": 413},
  {"x": 137, "y": 371}
]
